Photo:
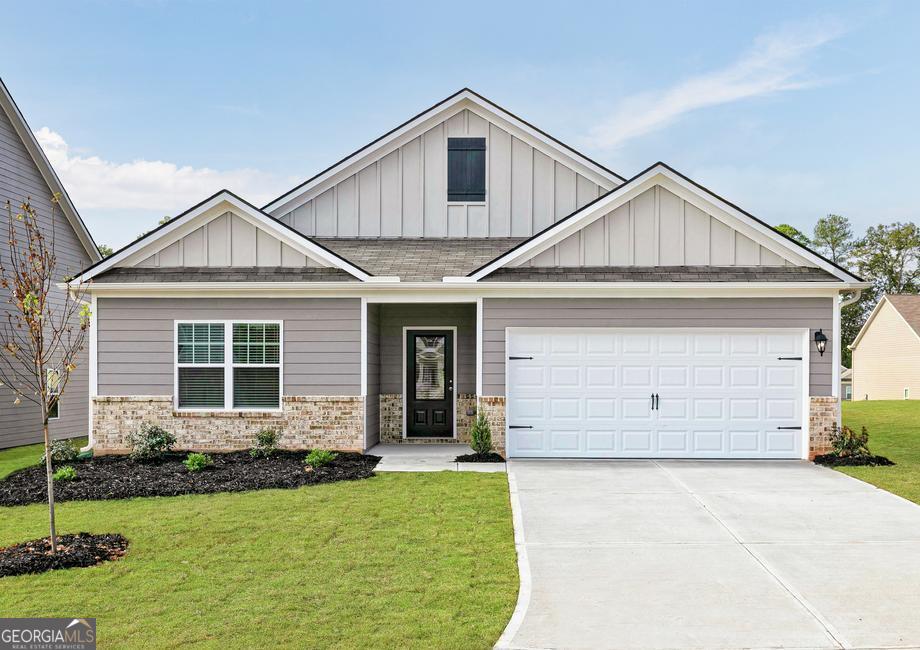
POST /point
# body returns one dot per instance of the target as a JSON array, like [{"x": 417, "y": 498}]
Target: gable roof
[
  {"x": 655, "y": 174},
  {"x": 463, "y": 98},
  {"x": 41, "y": 161},
  {"x": 906, "y": 305},
  {"x": 185, "y": 222}
]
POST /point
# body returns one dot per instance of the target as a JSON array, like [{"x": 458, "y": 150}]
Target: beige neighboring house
[
  {"x": 886, "y": 352},
  {"x": 846, "y": 383}
]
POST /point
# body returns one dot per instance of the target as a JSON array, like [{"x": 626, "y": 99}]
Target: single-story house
[
  {"x": 26, "y": 174},
  {"x": 468, "y": 261},
  {"x": 886, "y": 352},
  {"x": 846, "y": 383}
]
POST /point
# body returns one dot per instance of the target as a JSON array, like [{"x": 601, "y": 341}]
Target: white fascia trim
[
  {"x": 869, "y": 320},
  {"x": 438, "y": 113},
  {"x": 632, "y": 188},
  {"x": 410, "y": 292},
  {"x": 186, "y": 223},
  {"x": 18, "y": 120}
]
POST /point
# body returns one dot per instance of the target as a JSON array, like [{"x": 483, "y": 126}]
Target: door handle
[{"x": 657, "y": 402}]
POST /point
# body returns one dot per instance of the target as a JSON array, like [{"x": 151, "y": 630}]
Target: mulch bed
[
  {"x": 80, "y": 550},
  {"x": 118, "y": 477},
  {"x": 832, "y": 460},
  {"x": 490, "y": 457}
]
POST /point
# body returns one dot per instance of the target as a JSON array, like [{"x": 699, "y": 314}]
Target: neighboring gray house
[
  {"x": 25, "y": 173},
  {"x": 467, "y": 260}
]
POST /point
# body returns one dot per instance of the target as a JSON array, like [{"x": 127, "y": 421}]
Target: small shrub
[
  {"x": 197, "y": 462},
  {"x": 266, "y": 444},
  {"x": 481, "y": 435},
  {"x": 847, "y": 443},
  {"x": 62, "y": 451},
  {"x": 319, "y": 458},
  {"x": 150, "y": 442},
  {"x": 66, "y": 473}
]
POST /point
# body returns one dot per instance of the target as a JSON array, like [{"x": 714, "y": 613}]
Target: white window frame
[
  {"x": 48, "y": 372},
  {"x": 228, "y": 364},
  {"x": 907, "y": 392}
]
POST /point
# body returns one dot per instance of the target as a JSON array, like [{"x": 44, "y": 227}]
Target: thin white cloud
[
  {"x": 777, "y": 62},
  {"x": 151, "y": 185}
]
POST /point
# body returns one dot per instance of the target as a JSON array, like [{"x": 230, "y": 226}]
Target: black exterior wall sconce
[{"x": 820, "y": 342}]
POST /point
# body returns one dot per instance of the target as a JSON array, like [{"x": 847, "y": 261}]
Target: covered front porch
[{"x": 420, "y": 361}]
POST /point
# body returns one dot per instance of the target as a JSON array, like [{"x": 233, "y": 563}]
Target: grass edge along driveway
[
  {"x": 399, "y": 560},
  {"x": 894, "y": 431}
]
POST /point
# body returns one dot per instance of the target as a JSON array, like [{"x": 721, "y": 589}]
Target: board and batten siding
[
  {"x": 393, "y": 317},
  {"x": 322, "y": 341},
  {"x": 404, "y": 193},
  {"x": 228, "y": 241},
  {"x": 657, "y": 228},
  {"x": 722, "y": 313},
  {"x": 887, "y": 359},
  {"x": 20, "y": 179}
]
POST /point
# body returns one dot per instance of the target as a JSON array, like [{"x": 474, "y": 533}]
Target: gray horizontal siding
[
  {"x": 394, "y": 317},
  {"x": 372, "y": 405},
  {"x": 322, "y": 341},
  {"x": 500, "y": 313},
  {"x": 20, "y": 180}
]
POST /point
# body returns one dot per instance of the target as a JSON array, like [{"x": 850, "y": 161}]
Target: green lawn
[
  {"x": 399, "y": 560},
  {"x": 19, "y": 457},
  {"x": 894, "y": 431}
]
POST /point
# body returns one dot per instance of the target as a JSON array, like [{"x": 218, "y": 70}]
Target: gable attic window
[{"x": 466, "y": 169}]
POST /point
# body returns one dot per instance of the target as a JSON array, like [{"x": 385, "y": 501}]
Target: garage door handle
[
  {"x": 789, "y": 358},
  {"x": 790, "y": 428},
  {"x": 519, "y": 358},
  {"x": 520, "y": 426}
]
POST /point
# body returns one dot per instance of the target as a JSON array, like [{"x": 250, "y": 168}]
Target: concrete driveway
[{"x": 711, "y": 554}]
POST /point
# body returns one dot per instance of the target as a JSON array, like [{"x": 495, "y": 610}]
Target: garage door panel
[
  {"x": 601, "y": 376},
  {"x": 600, "y": 441},
  {"x": 636, "y": 377},
  {"x": 588, "y": 393}
]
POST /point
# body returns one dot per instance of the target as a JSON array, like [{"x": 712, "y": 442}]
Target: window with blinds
[
  {"x": 228, "y": 365},
  {"x": 466, "y": 169},
  {"x": 256, "y": 365}
]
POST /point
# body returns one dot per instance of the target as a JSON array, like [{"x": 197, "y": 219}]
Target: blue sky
[{"x": 789, "y": 109}]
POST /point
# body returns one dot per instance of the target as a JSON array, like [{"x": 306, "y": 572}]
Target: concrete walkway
[
  {"x": 420, "y": 457},
  {"x": 691, "y": 554}
]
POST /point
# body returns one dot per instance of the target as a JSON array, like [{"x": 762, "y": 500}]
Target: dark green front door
[{"x": 429, "y": 383}]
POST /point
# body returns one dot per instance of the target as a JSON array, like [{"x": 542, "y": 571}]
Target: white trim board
[
  {"x": 18, "y": 120},
  {"x": 660, "y": 174},
  {"x": 405, "y": 376},
  {"x": 210, "y": 208},
  {"x": 464, "y": 99}
]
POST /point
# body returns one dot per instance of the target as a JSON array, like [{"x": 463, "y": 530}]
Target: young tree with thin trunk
[{"x": 45, "y": 328}]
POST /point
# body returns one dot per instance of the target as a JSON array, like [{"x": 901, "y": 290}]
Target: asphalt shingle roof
[
  {"x": 908, "y": 306},
  {"x": 420, "y": 260},
  {"x": 224, "y": 274},
  {"x": 661, "y": 274}
]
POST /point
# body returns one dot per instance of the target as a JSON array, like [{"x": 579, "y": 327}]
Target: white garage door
[{"x": 599, "y": 393}]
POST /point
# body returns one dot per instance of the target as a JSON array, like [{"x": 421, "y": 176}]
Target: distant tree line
[{"x": 888, "y": 256}]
